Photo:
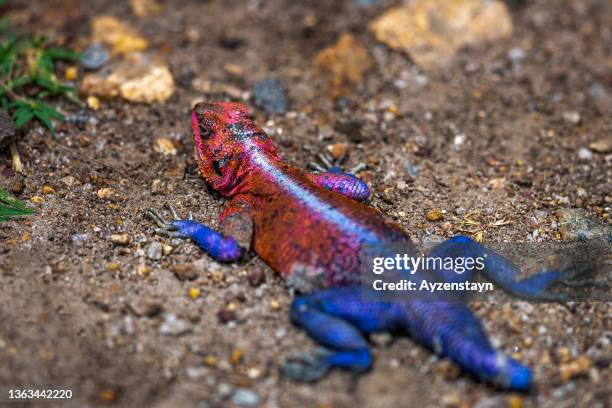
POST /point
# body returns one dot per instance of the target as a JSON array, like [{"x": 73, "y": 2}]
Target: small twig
[{"x": 17, "y": 166}]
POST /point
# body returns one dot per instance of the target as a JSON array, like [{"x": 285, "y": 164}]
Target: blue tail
[{"x": 451, "y": 330}]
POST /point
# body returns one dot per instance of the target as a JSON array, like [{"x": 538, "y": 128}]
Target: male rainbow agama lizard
[{"x": 309, "y": 228}]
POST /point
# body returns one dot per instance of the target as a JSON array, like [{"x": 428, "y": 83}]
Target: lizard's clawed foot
[
  {"x": 306, "y": 367},
  {"x": 167, "y": 228},
  {"x": 327, "y": 163},
  {"x": 575, "y": 276},
  {"x": 570, "y": 275}
]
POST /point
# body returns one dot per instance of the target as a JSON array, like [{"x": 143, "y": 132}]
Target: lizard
[{"x": 308, "y": 227}]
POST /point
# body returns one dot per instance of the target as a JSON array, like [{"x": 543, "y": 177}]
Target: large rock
[
  {"x": 431, "y": 31},
  {"x": 137, "y": 78},
  {"x": 344, "y": 64},
  {"x": 120, "y": 37}
]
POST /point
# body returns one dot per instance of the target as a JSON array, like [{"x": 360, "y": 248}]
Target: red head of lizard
[{"x": 226, "y": 139}]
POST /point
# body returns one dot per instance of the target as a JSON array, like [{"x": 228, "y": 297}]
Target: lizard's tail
[{"x": 451, "y": 330}]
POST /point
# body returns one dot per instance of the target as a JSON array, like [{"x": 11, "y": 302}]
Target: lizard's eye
[
  {"x": 218, "y": 165},
  {"x": 205, "y": 132}
]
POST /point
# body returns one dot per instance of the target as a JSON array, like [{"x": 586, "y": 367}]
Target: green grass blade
[{"x": 11, "y": 206}]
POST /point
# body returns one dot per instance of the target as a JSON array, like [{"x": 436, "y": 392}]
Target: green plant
[
  {"x": 11, "y": 206},
  {"x": 27, "y": 76}
]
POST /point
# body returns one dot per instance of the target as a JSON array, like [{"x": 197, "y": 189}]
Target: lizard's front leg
[
  {"x": 330, "y": 176},
  {"x": 221, "y": 247}
]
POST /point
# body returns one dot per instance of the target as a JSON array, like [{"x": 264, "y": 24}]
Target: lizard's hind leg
[{"x": 337, "y": 319}]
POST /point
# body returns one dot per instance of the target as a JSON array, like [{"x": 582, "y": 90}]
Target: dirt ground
[{"x": 494, "y": 136}]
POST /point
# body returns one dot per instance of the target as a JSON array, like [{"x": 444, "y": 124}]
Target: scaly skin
[{"x": 309, "y": 227}]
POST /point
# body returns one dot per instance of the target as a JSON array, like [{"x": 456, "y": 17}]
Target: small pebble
[
  {"x": 107, "y": 396},
  {"x": 94, "y": 57},
  {"x": 224, "y": 389},
  {"x": 572, "y": 117},
  {"x": 448, "y": 370},
  {"x": 256, "y": 276},
  {"x": 454, "y": 400},
  {"x": 410, "y": 169},
  {"x": 245, "y": 398},
  {"x": 585, "y": 154},
  {"x": 516, "y": 54},
  {"x": 211, "y": 360},
  {"x": 167, "y": 249},
  {"x": 603, "y": 145},
  {"x": 196, "y": 373},
  {"x": 18, "y": 186},
  {"x": 143, "y": 271},
  {"x": 154, "y": 251},
  {"x": 71, "y": 73},
  {"x": 194, "y": 293},
  {"x": 68, "y": 181},
  {"x": 338, "y": 150},
  {"x": 579, "y": 366},
  {"x": 226, "y": 315},
  {"x": 515, "y": 401},
  {"x": 253, "y": 373},
  {"x": 186, "y": 271},
  {"x": 234, "y": 69},
  {"x": 165, "y": 146},
  {"x": 435, "y": 215},
  {"x": 93, "y": 102},
  {"x": 235, "y": 357},
  {"x": 217, "y": 276},
  {"x": 120, "y": 239},
  {"x": 105, "y": 193},
  {"x": 79, "y": 239},
  {"x": 270, "y": 96},
  {"x": 146, "y": 308},
  {"x": 173, "y": 326},
  {"x": 459, "y": 139},
  {"x": 382, "y": 339},
  {"x": 601, "y": 348}
]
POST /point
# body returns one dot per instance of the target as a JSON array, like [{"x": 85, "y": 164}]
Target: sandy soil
[{"x": 74, "y": 305}]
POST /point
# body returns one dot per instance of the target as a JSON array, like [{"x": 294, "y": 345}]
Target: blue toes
[
  {"x": 515, "y": 376},
  {"x": 309, "y": 367},
  {"x": 306, "y": 367}
]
